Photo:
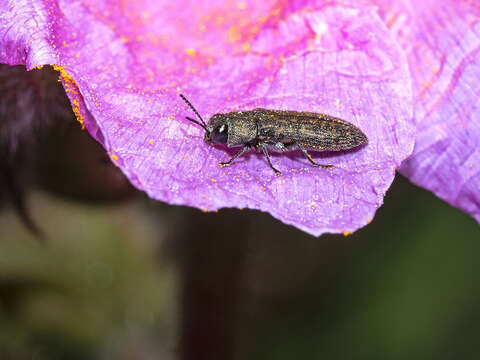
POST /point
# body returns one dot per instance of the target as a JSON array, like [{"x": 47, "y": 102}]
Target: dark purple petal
[
  {"x": 442, "y": 41},
  {"x": 127, "y": 64}
]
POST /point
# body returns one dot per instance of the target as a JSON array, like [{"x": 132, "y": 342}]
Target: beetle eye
[{"x": 220, "y": 134}]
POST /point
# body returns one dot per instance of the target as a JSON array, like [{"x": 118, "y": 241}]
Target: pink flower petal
[
  {"x": 124, "y": 66},
  {"x": 442, "y": 41}
]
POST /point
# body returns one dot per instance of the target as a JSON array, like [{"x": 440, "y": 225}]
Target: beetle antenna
[
  {"x": 202, "y": 124},
  {"x": 195, "y": 121}
]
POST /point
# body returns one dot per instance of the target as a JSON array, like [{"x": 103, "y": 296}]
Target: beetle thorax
[{"x": 240, "y": 128}]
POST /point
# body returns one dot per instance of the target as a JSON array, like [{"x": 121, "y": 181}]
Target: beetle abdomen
[{"x": 312, "y": 131}]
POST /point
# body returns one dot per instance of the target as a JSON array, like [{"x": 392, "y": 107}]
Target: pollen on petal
[{"x": 123, "y": 72}]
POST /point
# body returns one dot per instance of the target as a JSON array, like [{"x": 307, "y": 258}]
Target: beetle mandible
[{"x": 279, "y": 130}]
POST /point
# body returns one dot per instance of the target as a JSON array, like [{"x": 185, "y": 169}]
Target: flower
[
  {"x": 124, "y": 64},
  {"x": 442, "y": 43}
]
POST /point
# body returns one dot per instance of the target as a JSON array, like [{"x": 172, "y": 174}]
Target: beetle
[{"x": 279, "y": 130}]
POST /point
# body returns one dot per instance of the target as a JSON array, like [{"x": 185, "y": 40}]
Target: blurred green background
[{"x": 110, "y": 283}]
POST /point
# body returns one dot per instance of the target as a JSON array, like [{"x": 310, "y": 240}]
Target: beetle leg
[
  {"x": 245, "y": 148},
  {"x": 307, "y": 155},
  {"x": 264, "y": 149}
]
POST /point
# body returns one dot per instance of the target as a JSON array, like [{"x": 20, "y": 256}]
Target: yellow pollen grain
[
  {"x": 276, "y": 11},
  {"x": 114, "y": 157},
  {"x": 234, "y": 34},
  {"x": 76, "y": 111},
  {"x": 190, "y": 52},
  {"x": 347, "y": 233},
  {"x": 150, "y": 142},
  {"x": 246, "y": 46},
  {"x": 213, "y": 180},
  {"x": 71, "y": 89}
]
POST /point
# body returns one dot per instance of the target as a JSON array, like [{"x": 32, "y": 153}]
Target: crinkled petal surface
[
  {"x": 123, "y": 65},
  {"x": 442, "y": 42}
]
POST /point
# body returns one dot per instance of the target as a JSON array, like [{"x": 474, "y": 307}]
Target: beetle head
[{"x": 217, "y": 130}]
